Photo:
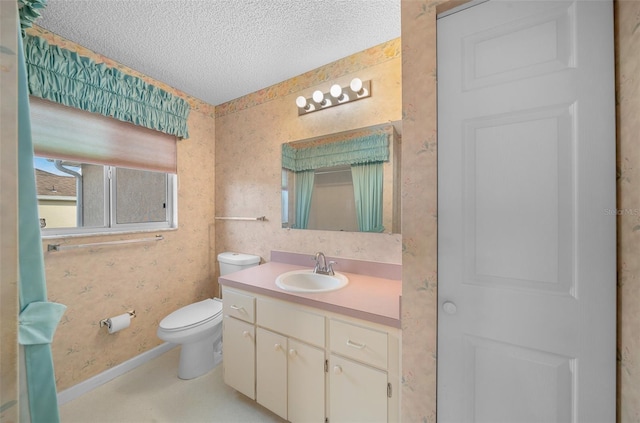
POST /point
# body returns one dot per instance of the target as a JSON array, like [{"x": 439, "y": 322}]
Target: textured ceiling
[{"x": 219, "y": 50}]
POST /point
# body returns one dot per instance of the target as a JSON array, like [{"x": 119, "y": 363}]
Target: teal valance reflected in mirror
[{"x": 346, "y": 181}]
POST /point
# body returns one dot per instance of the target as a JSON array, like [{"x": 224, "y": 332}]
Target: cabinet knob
[
  {"x": 277, "y": 347},
  {"x": 246, "y": 334},
  {"x": 292, "y": 352},
  {"x": 337, "y": 370}
]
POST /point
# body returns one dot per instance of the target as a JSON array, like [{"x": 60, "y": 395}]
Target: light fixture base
[{"x": 328, "y": 101}]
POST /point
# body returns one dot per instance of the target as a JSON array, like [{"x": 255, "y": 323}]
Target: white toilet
[{"x": 198, "y": 326}]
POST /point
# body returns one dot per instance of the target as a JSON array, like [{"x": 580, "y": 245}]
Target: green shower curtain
[
  {"x": 38, "y": 318},
  {"x": 304, "y": 192},
  {"x": 367, "y": 187}
]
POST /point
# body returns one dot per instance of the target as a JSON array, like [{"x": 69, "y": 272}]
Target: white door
[{"x": 526, "y": 232}]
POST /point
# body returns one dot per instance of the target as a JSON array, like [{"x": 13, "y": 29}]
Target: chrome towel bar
[
  {"x": 240, "y": 218},
  {"x": 58, "y": 247}
]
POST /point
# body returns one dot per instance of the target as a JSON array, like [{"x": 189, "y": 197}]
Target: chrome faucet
[{"x": 321, "y": 266}]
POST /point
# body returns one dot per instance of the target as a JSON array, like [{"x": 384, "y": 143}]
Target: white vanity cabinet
[
  {"x": 238, "y": 346},
  {"x": 313, "y": 365}
]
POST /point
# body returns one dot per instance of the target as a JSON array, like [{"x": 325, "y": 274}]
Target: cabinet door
[
  {"x": 271, "y": 371},
  {"x": 357, "y": 393},
  {"x": 238, "y": 351},
  {"x": 306, "y": 381}
]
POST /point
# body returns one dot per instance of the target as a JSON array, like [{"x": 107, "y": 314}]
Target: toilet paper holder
[{"x": 105, "y": 322}]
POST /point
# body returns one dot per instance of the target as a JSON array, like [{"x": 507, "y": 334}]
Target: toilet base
[{"x": 199, "y": 358}]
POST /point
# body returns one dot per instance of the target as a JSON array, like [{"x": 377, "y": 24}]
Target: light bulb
[
  {"x": 318, "y": 97},
  {"x": 356, "y": 85},
  {"x": 301, "y": 102},
  {"x": 336, "y": 91}
]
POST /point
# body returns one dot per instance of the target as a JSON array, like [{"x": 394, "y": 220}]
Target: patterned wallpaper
[
  {"x": 152, "y": 279},
  {"x": 419, "y": 221},
  {"x": 249, "y": 134},
  {"x": 419, "y": 211},
  {"x": 157, "y": 278},
  {"x": 348, "y": 65},
  {"x": 627, "y": 18}
]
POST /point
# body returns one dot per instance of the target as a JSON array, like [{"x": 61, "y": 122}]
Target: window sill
[{"x": 104, "y": 233}]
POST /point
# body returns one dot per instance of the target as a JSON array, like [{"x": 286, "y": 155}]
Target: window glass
[
  {"x": 76, "y": 197},
  {"x": 140, "y": 196}
]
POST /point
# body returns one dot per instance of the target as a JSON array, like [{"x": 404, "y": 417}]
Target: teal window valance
[
  {"x": 29, "y": 12},
  {"x": 367, "y": 149},
  {"x": 63, "y": 76}
]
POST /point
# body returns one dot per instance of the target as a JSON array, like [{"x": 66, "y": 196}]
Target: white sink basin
[{"x": 307, "y": 281}]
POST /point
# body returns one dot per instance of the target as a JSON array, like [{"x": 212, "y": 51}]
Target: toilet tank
[{"x": 232, "y": 262}]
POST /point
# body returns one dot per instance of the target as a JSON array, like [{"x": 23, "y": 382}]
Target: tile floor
[{"x": 152, "y": 392}]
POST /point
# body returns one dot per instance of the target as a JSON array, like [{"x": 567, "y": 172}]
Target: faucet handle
[{"x": 330, "y": 267}]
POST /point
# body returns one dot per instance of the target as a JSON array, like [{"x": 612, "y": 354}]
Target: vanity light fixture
[{"x": 337, "y": 95}]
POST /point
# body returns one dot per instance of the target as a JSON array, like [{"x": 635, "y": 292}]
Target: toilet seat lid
[{"x": 192, "y": 314}]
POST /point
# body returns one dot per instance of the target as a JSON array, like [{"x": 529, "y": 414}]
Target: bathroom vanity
[{"x": 309, "y": 357}]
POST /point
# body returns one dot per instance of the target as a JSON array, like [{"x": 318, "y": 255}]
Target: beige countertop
[{"x": 365, "y": 297}]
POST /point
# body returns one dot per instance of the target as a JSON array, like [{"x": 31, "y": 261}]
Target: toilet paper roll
[{"x": 118, "y": 323}]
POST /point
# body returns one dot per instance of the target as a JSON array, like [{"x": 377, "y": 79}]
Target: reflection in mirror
[
  {"x": 333, "y": 190},
  {"x": 75, "y": 197},
  {"x": 344, "y": 182}
]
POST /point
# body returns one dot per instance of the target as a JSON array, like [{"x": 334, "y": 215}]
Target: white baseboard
[{"x": 104, "y": 377}]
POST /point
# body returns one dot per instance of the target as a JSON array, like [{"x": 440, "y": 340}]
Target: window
[
  {"x": 96, "y": 174},
  {"x": 76, "y": 198}
]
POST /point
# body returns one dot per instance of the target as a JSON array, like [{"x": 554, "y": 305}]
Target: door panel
[
  {"x": 271, "y": 370},
  {"x": 306, "y": 383},
  {"x": 514, "y": 395},
  {"x": 524, "y": 43},
  {"x": 526, "y": 253},
  {"x": 238, "y": 351},
  {"x": 358, "y": 393},
  {"x": 517, "y": 199}
]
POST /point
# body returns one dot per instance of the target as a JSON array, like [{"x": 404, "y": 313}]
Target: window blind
[{"x": 68, "y": 133}]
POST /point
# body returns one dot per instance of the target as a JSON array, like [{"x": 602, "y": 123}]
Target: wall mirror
[{"x": 347, "y": 181}]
